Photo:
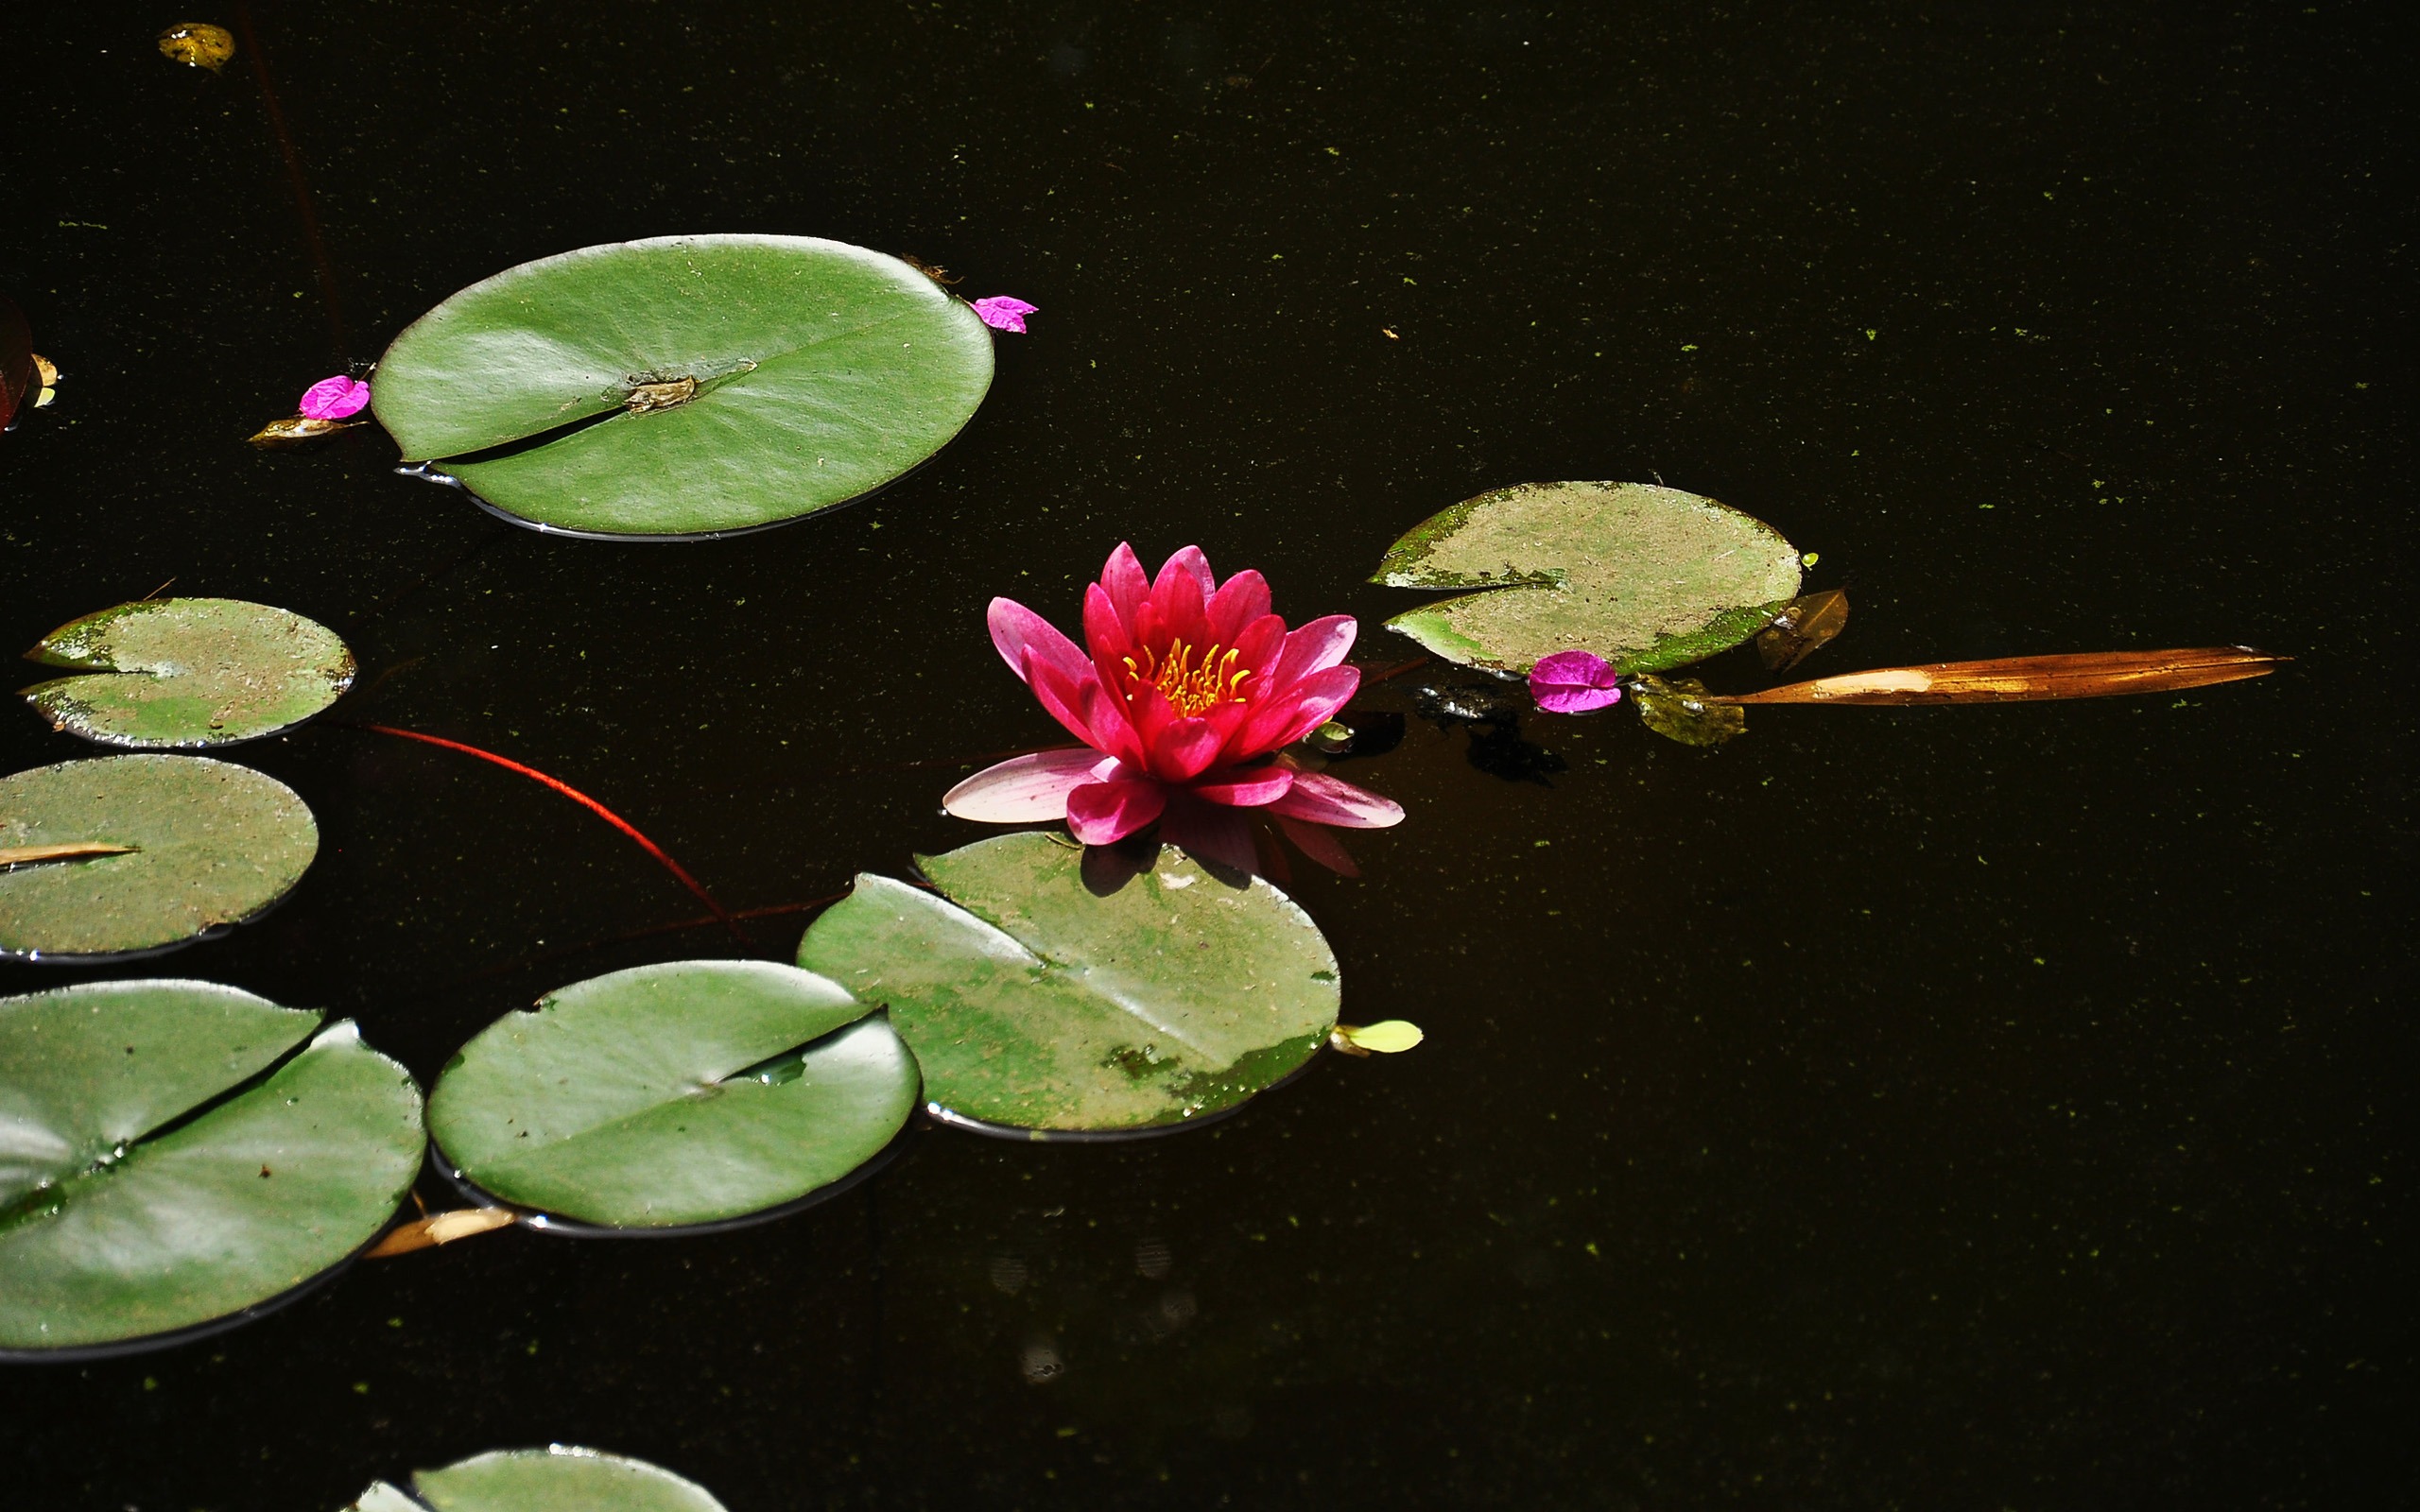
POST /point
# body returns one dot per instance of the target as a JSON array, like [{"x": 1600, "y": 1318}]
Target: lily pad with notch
[
  {"x": 1040, "y": 1009},
  {"x": 675, "y": 1095},
  {"x": 167, "y": 673},
  {"x": 1647, "y": 577},
  {"x": 174, "y": 848},
  {"x": 684, "y": 386},
  {"x": 175, "y": 1164},
  {"x": 559, "y": 1478}
]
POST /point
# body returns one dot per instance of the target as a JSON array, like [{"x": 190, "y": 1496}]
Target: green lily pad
[
  {"x": 745, "y": 380},
  {"x": 113, "y": 1230},
  {"x": 1034, "y": 1003},
  {"x": 1647, "y": 577},
  {"x": 694, "y": 1091},
  {"x": 556, "y": 1479},
  {"x": 213, "y": 845},
  {"x": 187, "y": 672}
]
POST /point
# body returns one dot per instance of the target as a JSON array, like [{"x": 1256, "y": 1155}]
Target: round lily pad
[
  {"x": 690, "y": 1093},
  {"x": 684, "y": 386},
  {"x": 111, "y": 1230},
  {"x": 188, "y": 672},
  {"x": 1034, "y": 1003},
  {"x": 211, "y": 845},
  {"x": 1644, "y": 577},
  {"x": 558, "y": 1478}
]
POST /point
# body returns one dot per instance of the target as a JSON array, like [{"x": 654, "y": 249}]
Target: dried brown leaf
[{"x": 440, "y": 1228}]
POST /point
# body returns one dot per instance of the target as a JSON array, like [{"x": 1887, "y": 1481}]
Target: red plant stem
[{"x": 594, "y": 807}]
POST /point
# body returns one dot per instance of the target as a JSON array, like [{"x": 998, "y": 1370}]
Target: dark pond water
[{"x": 1983, "y": 1108}]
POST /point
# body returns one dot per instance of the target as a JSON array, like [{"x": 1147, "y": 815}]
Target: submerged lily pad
[
  {"x": 1034, "y": 1003},
  {"x": 694, "y": 1091},
  {"x": 211, "y": 845},
  {"x": 111, "y": 1230},
  {"x": 187, "y": 672},
  {"x": 558, "y": 1478},
  {"x": 744, "y": 381},
  {"x": 1680, "y": 710},
  {"x": 1647, "y": 577}
]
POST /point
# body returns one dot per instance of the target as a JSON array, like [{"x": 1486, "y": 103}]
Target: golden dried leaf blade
[
  {"x": 2022, "y": 679},
  {"x": 198, "y": 44},
  {"x": 440, "y": 1228},
  {"x": 1801, "y": 627},
  {"x": 18, "y": 855},
  {"x": 296, "y": 428}
]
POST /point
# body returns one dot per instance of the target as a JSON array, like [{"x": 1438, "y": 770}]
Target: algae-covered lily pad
[
  {"x": 1036, "y": 1003},
  {"x": 1644, "y": 577},
  {"x": 187, "y": 672},
  {"x": 111, "y": 1230},
  {"x": 558, "y": 1478},
  {"x": 694, "y": 1091},
  {"x": 742, "y": 381},
  {"x": 208, "y": 845}
]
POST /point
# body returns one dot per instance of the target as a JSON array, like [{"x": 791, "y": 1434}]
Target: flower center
[{"x": 1195, "y": 682}]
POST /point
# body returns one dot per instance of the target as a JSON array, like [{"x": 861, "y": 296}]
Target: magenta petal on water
[
  {"x": 1573, "y": 683},
  {"x": 1027, "y": 789},
  {"x": 1103, "y": 813},
  {"x": 1003, "y": 312},
  {"x": 335, "y": 398}
]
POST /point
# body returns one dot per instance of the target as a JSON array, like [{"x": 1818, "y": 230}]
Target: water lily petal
[
  {"x": 1123, "y": 578},
  {"x": 1192, "y": 563},
  {"x": 336, "y": 398},
  {"x": 1174, "y": 609},
  {"x": 1301, "y": 709},
  {"x": 1322, "y": 799},
  {"x": 1246, "y": 789},
  {"x": 1101, "y": 813},
  {"x": 1315, "y": 841},
  {"x": 1016, "y": 629},
  {"x": 1573, "y": 683},
  {"x": 1239, "y": 601},
  {"x": 1027, "y": 789},
  {"x": 1003, "y": 312},
  {"x": 1063, "y": 699},
  {"x": 1316, "y": 646},
  {"x": 1106, "y": 637},
  {"x": 1180, "y": 751},
  {"x": 1106, "y": 716}
]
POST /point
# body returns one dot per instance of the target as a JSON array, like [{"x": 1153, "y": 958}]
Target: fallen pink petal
[
  {"x": 1184, "y": 694},
  {"x": 1004, "y": 311},
  {"x": 1573, "y": 683},
  {"x": 336, "y": 398}
]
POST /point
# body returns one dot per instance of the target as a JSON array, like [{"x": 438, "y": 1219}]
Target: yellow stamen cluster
[{"x": 1193, "y": 686}]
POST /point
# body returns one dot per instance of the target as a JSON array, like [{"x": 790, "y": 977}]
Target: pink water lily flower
[
  {"x": 336, "y": 398},
  {"x": 1185, "y": 693}
]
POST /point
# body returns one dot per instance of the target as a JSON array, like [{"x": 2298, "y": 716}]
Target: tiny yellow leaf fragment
[
  {"x": 198, "y": 44},
  {"x": 47, "y": 371},
  {"x": 1388, "y": 1037}
]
